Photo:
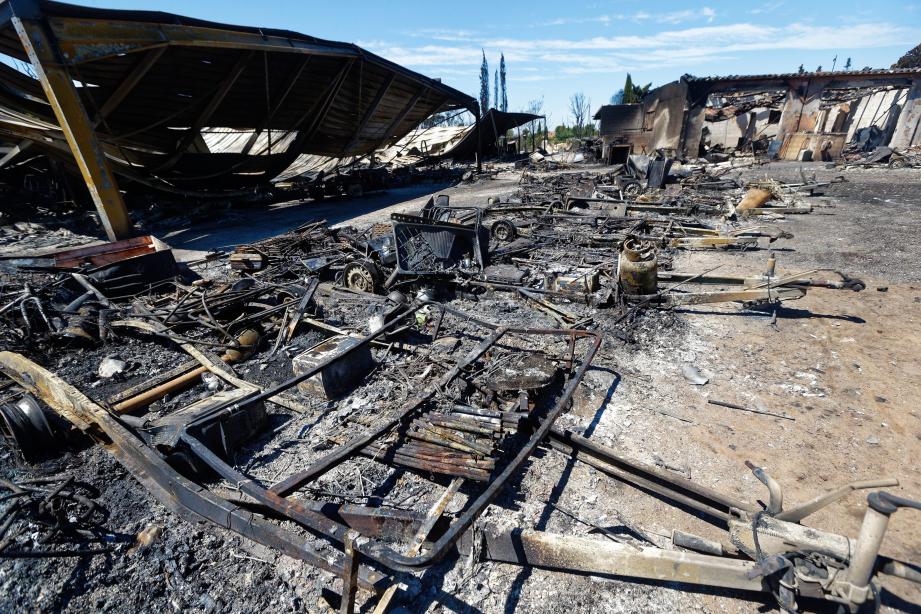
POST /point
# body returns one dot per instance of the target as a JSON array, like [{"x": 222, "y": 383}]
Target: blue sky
[{"x": 554, "y": 48}]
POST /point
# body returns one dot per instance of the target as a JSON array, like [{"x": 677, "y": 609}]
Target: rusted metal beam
[
  {"x": 292, "y": 81},
  {"x": 604, "y": 557},
  {"x": 128, "y": 84},
  {"x": 213, "y": 103},
  {"x": 683, "y": 490},
  {"x": 77, "y": 127},
  {"x": 349, "y": 575},
  {"x": 406, "y": 111},
  {"x": 372, "y": 109}
]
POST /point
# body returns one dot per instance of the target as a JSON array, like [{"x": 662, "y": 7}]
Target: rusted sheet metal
[
  {"x": 152, "y": 72},
  {"x": 493, "y": 125},
  {"x": 107, "y": 253},
  {"x": 84, "y": 40}
]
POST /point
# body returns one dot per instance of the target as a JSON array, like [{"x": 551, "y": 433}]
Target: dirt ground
[{"x": 844, "y": 365}]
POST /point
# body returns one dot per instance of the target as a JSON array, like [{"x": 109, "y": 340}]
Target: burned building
[
  {"x": 793, "y": 116},
  {"x": 161, "y": 101}
]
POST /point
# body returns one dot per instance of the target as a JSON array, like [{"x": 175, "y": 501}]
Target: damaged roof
[
  {"x": 156, "y": 85},
  {"x": 874, "y": 72},
  {"x": 493, "y": 124}
]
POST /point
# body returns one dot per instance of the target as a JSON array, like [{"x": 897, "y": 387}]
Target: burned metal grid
[
  {"x": 430, "y": 244},
  {"x": 275, "y": 498}
]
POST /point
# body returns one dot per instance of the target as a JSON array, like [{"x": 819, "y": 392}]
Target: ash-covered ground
[{"x": 844, "y": 365}]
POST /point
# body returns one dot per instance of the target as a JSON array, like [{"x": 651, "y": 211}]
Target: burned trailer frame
[
  {"x": 274, "y": 497},
  {"x": 766, "y": 549},
  {"x": 688, "y": 233},
  {"x": 194, "y": 501}
]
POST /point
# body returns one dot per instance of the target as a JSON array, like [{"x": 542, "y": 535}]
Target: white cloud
[
  {"x": 563, "y": 21},
  {"x": 675, "y": 17},
  {"x": 444, "y": 34},
  {"x": 665, "y": 49},
  {"x": 426, "y": 55},
  {"x": 514, "y": 78},
  {"x": 768, "y": 7},
  {"x": 740, "y": 36}
]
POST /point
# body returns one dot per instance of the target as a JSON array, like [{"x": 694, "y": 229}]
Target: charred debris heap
[
  {"x": 437, "y": 352},
  {"x": 424, "y": 360}
]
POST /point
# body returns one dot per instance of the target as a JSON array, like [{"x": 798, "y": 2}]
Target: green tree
[
  {"x": 911, "y": 59},
  {"x": 504, "y": 106},
  {"x": 495, "y": 91},
  {"x": 562, "y": 133},
  {"x": 484, "y": 86},
  {"x": 628, "y": 90},
  {"x": 634, "y": 94}
]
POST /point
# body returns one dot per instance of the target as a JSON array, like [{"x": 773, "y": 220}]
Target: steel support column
[
  {"x": 77, "y": 127},
  {"x": 479, "y": 140}
]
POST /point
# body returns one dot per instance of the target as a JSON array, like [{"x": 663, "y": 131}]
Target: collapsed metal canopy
[
  {"x": 493, "y": 125},
  {"x": 156, "y": 93}
]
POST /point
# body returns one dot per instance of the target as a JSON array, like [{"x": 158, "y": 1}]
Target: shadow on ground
[{"x": 248, "y": 225}]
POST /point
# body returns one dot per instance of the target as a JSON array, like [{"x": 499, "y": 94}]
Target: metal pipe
[
  {"x": 775, "y": 492},
  {"x": 595, "y": 556},
  {"x": 801, "y": 511},
  {"x": 868, "y": 542},
  {"x": 668, "y": 484}
]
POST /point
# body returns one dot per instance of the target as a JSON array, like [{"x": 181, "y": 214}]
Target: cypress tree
[
  {"x": 495, "y": 91},
  {"x": 504, "y": 105},
  {"x": 484, "y": 86}
]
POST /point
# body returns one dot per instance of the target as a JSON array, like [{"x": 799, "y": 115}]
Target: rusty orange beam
[{"x": 77, "y": 127}]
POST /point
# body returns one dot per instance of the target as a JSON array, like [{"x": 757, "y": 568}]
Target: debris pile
[
  {"x": 380, "y": 399},
  {"x": 386, "y": 359}
]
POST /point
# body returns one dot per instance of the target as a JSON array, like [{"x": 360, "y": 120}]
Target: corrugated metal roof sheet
[{"x": 167, "y": 78}]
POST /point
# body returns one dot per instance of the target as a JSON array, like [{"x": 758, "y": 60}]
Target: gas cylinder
[{"x": 638, "y": 269}]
